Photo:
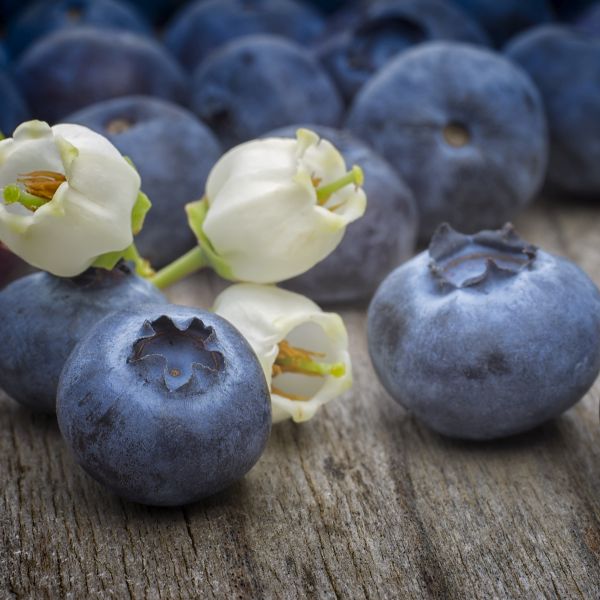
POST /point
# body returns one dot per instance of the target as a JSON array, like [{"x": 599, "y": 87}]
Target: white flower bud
[{"x": 303, "y": 350}]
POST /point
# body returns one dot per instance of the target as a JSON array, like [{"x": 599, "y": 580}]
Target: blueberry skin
[
  {"x": 258, "y": 83},
  {"x": 565, "y": 67},
  {"x": 516, "y": 346},
  {"x": 42, "y": 17},
  {"x": 588, "y": 22},
  {"x": 45, "y": 316},
  {"x": 147, "y": 437},
  {"x": 570, "y": 9},
  {"x": 505, "y": 18},
  {"x": 384, "y": 30},
  {"x": 203, "y": 26},
  {"x": 13, "y": 108},
  {"x": 72, "y": 68},
  {"x": 465, "y": 129},
  {"x": 173, "y": 152},
  {"x": 374, "y": 244}
]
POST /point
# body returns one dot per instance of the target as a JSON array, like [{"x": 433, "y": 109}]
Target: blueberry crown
[
  {"x": 459, "y": 260},
  {"x": 180, "y": 349}
]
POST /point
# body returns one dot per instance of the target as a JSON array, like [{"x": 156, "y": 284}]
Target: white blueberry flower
[
  {"x": 303, "y": 350},
  {"x": 67, "y": 197},
  {"x": 275, "y": 207}
]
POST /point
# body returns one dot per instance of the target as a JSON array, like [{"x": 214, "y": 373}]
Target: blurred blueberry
[
  {"x": 565, "y": 66},
  {"x": 164, "y": 405},
  {"x": 570, "y": 9},
  {"x": 72, "y": 68},
  {"x": 43, "y": 17},
  {"x": 385, "y": 29},
  {"x": 589, "y": 21},
  {"x": 504, "y": 18},
  {"x": 173, "y": 152},
  {"x": 204, "y": 25},
  {"x": 485, "y": 336},
  {"x": 374, "y": 244},
  {"x": 9, "y": 8},
  {"x": 158, "y": 11},
  {"x": 45, "y": 316},
  {"x": 330, "y": 6},
  {"x": 463, "y": 126},
  {"x": 3, "y": 57},
  {"x": 258, "y": 83},
  {"x": 13, "y": 108}
]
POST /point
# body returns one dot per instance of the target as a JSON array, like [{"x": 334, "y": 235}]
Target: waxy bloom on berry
[
  {"x": 67, "y": 197},
  {"x": 303, "y": 350}
]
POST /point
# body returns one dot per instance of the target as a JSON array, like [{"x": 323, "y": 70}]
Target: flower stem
[
  {"x": 185, "y": 265},
  {"x": 142, "y": 266},
  {"x": 355, "y": 176}
]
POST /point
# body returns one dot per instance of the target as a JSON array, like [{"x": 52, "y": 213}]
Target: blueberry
[
  {"x": 387, "y": 28},
  {"x": 485, "y": 336},
  {"x": 258, "y": 83},
  {"x": 157, "y": 10},
  {"x": 173, "y": 152},
  {"x": 588, "y": 22},
  {"x": 463, "y": 126},
  {"x": 374, "y": 244},
  {"x": 570, "y": 9},
  {"x": 165, "y": 405},
  {"x": 565, "y": 67},
  {"x": 72, "y": 68},
  {"x": 45, "y": 316},
  {"x": 505, "y": 18},
  {"x": 13, "y": 108},
  {"x": 205, "y": 25},
  {"x": 42, "y": 17}
]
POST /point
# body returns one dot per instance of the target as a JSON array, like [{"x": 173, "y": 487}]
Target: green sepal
[
  {"x": 140, "y": 210},
  {"x": 196, "y": 213},
  {"x": 109, "y": 261}
]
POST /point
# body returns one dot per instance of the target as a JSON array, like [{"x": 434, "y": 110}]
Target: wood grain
[{"x": 361, "y": 502}]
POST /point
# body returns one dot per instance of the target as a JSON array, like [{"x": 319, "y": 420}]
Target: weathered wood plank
[{"x": 362, "y": 502}]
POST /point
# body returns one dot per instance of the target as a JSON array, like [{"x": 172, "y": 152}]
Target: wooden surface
[{"x": 361, "y": 502}]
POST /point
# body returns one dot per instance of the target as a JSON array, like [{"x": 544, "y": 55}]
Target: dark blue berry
[
  {"x": 465, "y": 129},
  {"x": 165, "y": 405},
  {"x": 43, "y": 317},
  {"x": 485, "y": 336}
]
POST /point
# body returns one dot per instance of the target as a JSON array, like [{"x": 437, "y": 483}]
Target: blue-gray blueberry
[
  {"x": 463, "y": 126},
  {"x": 173, "y": 152},
  {"x": 565, "y": 66},
  {"x": 72, "y": 68},
  {"x": 165, "y": 405},
  {"x": 374, "y": 244},
  {"x": 259, "y": 83},
  {"x": 503, "y": 19},
  {"x": 43, "y": 318},
  {"x": 42, "y": 17},
  {"x": 385, "y": 29},
  {"x": 485, "y": 336},
  {"x": 203, "y": 26},
  {"x": 13, "y": 108}
]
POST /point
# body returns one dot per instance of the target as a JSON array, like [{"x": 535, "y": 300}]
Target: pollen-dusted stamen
[
  {"x": 299, "y": 360},
  {"x": 354, "y": 176},
  {"x": 42, "y": 184}
]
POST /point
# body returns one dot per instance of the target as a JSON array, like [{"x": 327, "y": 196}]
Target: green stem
[
  {"x": 185, "y": 265},
  {"x": 142, "y": 266},
  {"x": 355, "y": 176}
]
